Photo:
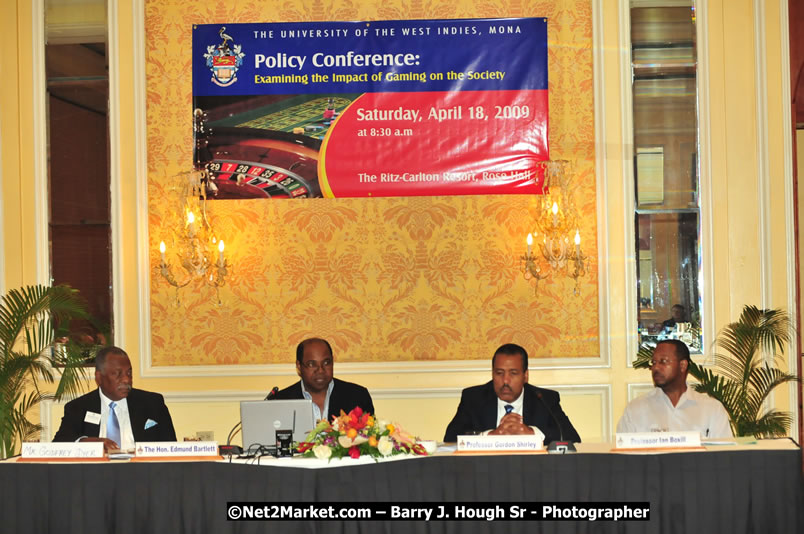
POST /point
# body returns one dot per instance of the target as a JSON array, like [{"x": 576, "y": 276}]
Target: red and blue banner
[{"x": 368, "y": 109}]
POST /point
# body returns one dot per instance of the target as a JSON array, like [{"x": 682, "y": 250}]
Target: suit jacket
[
  {"x": 142, "y": 405},
  {"x": 478, "y": 412},
  {"x": 345, "y": 396}
]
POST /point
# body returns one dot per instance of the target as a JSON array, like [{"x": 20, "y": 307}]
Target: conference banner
[{"x": 371, "y": 109}]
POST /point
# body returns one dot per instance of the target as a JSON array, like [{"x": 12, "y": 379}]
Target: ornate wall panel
[{"x": 389, "y": 279}]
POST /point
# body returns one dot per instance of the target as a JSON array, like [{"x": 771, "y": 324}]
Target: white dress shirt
[
  {"x": 121, "y": 409},
  {"x": 653, "y": 412},
  {"x": 517, "y": 404},
  {"x": 317, "y": 416}
]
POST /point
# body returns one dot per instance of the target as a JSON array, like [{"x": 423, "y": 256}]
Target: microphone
[
  {"x": 272, "y": 393},
  {"x": 560, "y": 446}
]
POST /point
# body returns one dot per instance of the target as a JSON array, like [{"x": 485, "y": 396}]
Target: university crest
[{"x": 224, "y": 59}]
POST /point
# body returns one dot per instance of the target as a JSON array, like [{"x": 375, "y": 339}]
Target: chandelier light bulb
[{"x": 191, "y": 223}]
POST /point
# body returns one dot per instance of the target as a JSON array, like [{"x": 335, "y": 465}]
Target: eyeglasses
[
  {"x": 660, "y": 361},
  {"x": 312, "y": 364}
]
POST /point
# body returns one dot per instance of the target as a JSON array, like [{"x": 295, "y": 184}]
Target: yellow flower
[
  {"x": 390, "y": 427},
  {"x": 352, "y": 433},
  {"x": 372, "y": 441}
]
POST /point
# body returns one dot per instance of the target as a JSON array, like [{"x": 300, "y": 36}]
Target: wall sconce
[
  {"x": 557, "y": 224},
  {"x": 193, "y": 241}
]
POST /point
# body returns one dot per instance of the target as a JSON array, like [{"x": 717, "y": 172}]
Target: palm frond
[
  {"x": 745, "y": 372},
  {"x": 773, "y": 424},
  {"x": 718, "y": 387},
  {"x": 30, "y": 317},
  {"x": 25, "y": 429},
  {"x": 71, "y": 364},
  {"x": 643, "y": 357},
  {"x": 773, "y": 327},
  {"x": 763, "y": 381}
]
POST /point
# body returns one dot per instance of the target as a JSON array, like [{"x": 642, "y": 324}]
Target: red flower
[
  {"x": 305, "y": 446},
  {"x": 354, "y": 452},
  {"x": 418, "y": 449},
  {"x": 355, "y": 419}
]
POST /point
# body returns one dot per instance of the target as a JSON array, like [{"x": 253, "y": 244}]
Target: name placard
[
  {"x": 657, "y": 440},
  {"x": 500, "y": 443},
  {"x": 62, "y": 451},
  {"x": 152, "y": 449}
]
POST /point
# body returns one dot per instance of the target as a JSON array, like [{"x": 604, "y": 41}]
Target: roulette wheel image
[{"x": 267, "y": 148}]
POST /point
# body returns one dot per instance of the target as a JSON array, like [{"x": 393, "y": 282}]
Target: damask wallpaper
[{"x": 386, "y": 279}]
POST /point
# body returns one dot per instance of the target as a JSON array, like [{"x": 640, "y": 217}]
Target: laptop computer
[{"x": 261, "y": 419}]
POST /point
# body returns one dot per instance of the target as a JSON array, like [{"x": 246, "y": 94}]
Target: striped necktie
[{"x": 113, "y": 425}]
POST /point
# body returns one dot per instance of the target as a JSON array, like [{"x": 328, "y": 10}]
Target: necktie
[
  {"x": 113, "y": 425},
  {"x": 508, "y": 409}
]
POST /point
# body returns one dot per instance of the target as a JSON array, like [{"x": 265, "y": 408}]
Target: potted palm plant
[
  {"x": 30, "y": 319},
  {"x": 746, "y": 372}
]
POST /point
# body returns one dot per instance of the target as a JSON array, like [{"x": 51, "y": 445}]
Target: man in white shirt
[{"x": 672, "y": 405}]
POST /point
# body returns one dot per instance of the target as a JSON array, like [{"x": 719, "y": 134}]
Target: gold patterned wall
[{"x": 389, "y": 279}]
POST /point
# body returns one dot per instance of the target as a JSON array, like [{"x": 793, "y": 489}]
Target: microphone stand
[{"x": 561, "y": 446}]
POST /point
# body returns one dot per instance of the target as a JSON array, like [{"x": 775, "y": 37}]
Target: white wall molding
[
  {"x": 115, "y": 174},
  {"x": 231, "y": 395},
  {"x": 40, "y": 144},
  {"x": 347, "y": 368},
  {"x": 707, "y": 268},
  {"x": 601, "y": 156},
  {"x": 763, "y": 164},
  {"x": 637, "y": 389},
  {"x": 45, "y": 416},
  {"x": 627, "y": 155},
  {"x": 141, "y": 177},
  {"x": 2, "y": 219},
  {"x": 793, "y": 358}
]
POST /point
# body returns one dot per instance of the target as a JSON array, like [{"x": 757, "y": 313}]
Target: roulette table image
[{"x": 266, "y": 146}]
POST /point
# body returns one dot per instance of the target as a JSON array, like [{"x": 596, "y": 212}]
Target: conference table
[{"x": 754, "y": 488}]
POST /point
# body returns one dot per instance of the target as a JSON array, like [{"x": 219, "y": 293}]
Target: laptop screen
[{"x": 261, "y": 419}]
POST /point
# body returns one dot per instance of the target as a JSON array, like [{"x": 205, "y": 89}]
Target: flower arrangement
[{"x": 357, "y": 434}]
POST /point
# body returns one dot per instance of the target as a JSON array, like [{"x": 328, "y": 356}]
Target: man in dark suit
[
  {"x": 115, "y": 413},
  {"x": 509, "y": 405},
  {"x": 314, "y": 363}
]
